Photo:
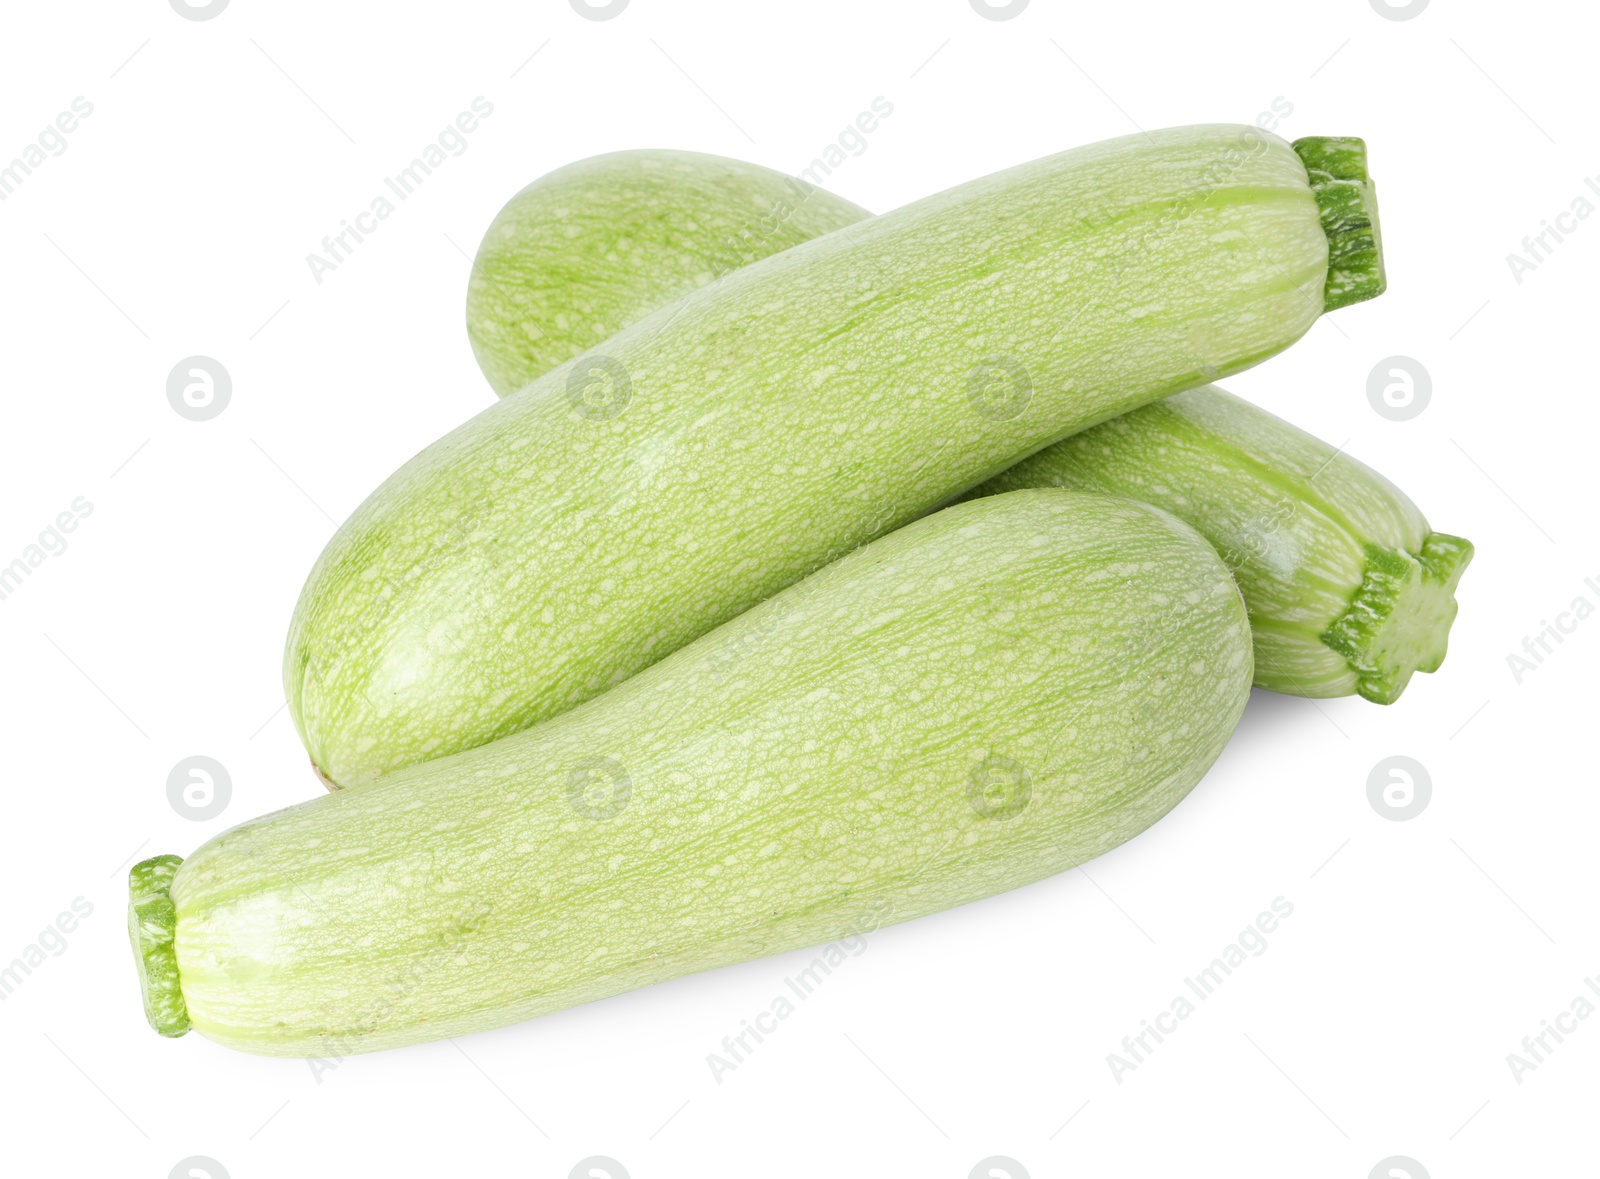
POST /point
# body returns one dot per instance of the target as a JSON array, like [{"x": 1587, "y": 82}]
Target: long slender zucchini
[
  {"x": 995, "y": 693},
  {"x": 723, "y": 447},
  {"x": 1347, "y": 588}
]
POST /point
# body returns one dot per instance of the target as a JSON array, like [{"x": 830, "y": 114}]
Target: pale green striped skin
[
  {"x": 1349, "y": 591},
  {"x": 1334, "y": 561},
  {"x": 993, "y": 694},
  {"x": 588, "y": 249},
  {"x": 546, "y": 551}
]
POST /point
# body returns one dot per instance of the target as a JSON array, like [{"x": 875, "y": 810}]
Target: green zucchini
[
  {"x": 995, "y": 693},
  {"x": 588, "y": 249},
  {"x": 724, "y": 446},
  {"x": 1347, "y": 588}
]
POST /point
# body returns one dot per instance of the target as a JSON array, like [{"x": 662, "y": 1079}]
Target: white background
[{"x": 178, "y": 220}]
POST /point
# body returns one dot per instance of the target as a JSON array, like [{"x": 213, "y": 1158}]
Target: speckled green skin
[
  {"x": 551, "y": 547},
  {"x": 1348, "y": 589},
  {"x": 993, "y": 694},
  {"x": 592, "y": 247}
]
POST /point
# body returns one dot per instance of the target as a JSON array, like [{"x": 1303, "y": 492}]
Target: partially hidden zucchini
[
  {"x": 1348, "y": 589},
  {"x": 995, "y": 693},
  {"x": 588, "y": 249},
  {"x": 726, "y": 445}
]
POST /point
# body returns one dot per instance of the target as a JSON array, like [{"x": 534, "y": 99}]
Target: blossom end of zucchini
[
  {"x": 152, "y": 924},
  {"x": 1347, "y": 204},
  {"x": 1398, "y": 622}
]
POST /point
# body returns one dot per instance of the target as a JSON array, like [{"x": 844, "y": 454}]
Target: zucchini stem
[
  {"x": 152, "y": 922},
  {"x": 1347, "y": 203},
  {"x": 1398, "y": 621}
]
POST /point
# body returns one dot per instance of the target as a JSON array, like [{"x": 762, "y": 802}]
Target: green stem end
[
  {"x": 152, "y": 923},
  {"x": 1348, "y": 205},
  {"x": 1398, "y": 621}
]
